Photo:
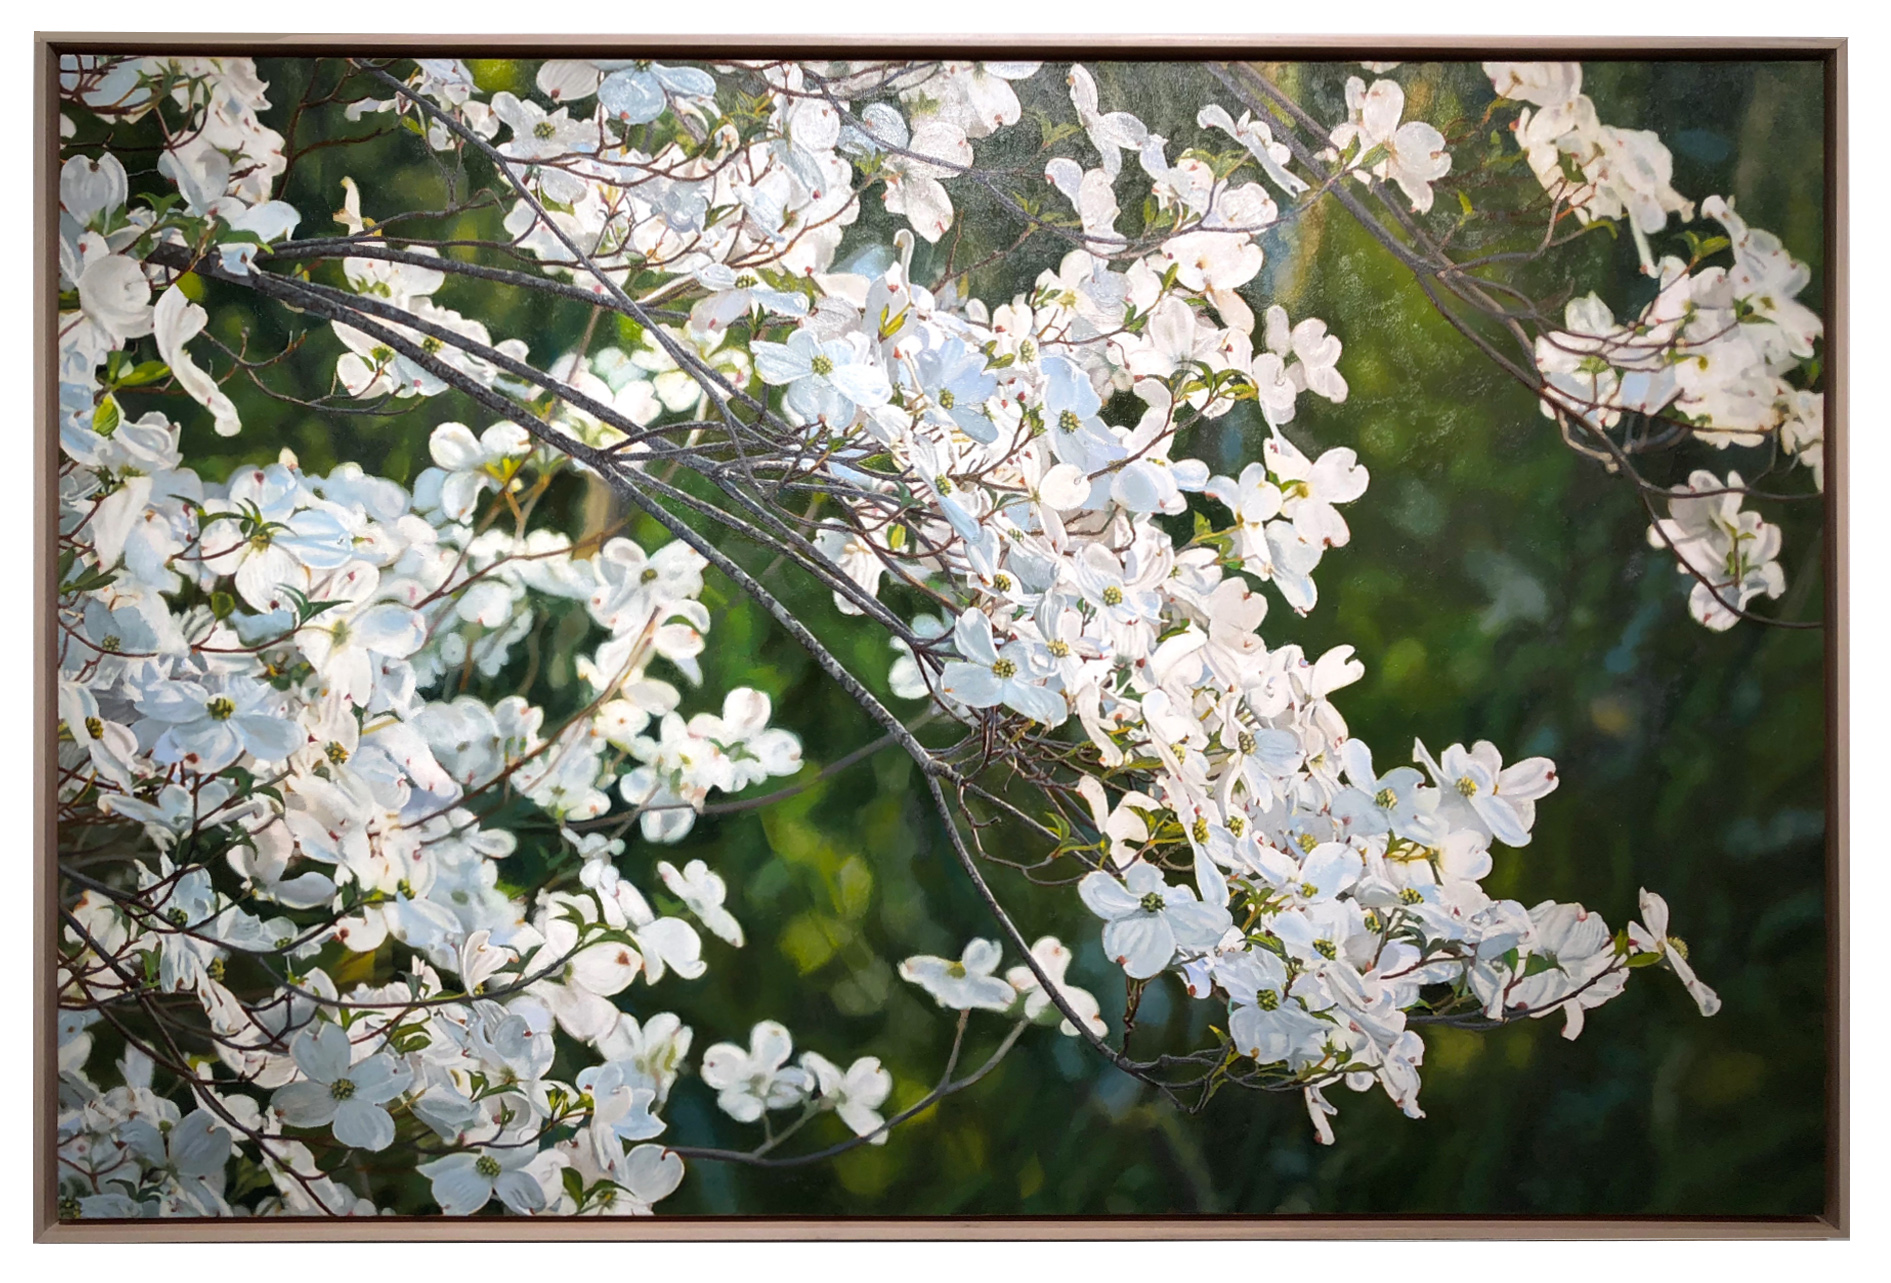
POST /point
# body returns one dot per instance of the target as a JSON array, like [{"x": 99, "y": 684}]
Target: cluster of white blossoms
[
  {"x": 258, "y": 673},
  {"x": 1600, "y": 171},
  {"x": 1411, "y": 154},
  {"x": 1710, "y": 354},
  {"x": 267, "y": 674},
  {"x": 1730, "y": 554}
]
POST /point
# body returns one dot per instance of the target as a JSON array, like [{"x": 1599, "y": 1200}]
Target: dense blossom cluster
[
  {"x": 1723, "y": 353},
  {"x": 266, "y": 673}
]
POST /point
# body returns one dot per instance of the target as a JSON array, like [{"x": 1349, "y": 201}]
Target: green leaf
[
  {"x": 1053, "y": 134},
  {"x": 1536, "y": 964},
  {"x": 142, "y": 373},
  {"x": 106, "y": 416},
  {"x": 493, "y": 74},
  {"x": 92, "y": 580},
  {"x": 1704, "y": 246},
  {"x": 305, "y": 608}
]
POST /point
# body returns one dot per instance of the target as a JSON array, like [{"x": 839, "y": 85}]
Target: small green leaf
[
  {"x": 1536, "y": 964},
  {"x": 1704, "y": 246},
  {"x": 92, "y": 580},
  {"x": 106, "y": 416},
  {"x": 142, "y": 373},
  {"x": 493, "y": 74}
]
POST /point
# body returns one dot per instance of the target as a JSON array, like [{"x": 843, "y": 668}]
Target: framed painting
[{"x": 707, "y": 638}]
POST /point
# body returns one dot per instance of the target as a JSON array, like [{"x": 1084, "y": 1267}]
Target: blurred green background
[{"x": 1497, "y": 586}]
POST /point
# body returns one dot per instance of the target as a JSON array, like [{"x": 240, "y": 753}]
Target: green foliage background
[{"x": 1497, "y": 586}]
